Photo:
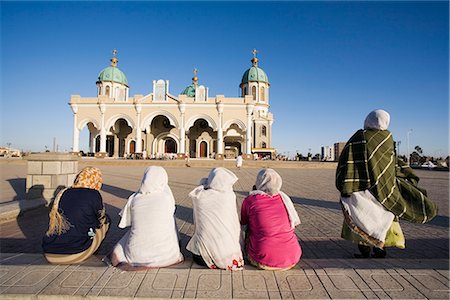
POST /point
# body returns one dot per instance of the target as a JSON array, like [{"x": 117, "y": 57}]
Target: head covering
[
  {"x": 217, "y": 233},
  {"x": 377, "y": 119},
  {"x": 269, "y": 182},
  {"x": 90, "y": 178},
  {"x": 220, "y": 179},
  {"x": 152, "y": 240},
  {"x": 155, "y": 180}
]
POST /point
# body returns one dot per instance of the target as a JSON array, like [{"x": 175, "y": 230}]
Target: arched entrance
[
  {"x": 170, "y": 146},
  {"x": 200, "y": 138},
  {"x": 203, "y": 149},
  {"x": 132, "y": 147}
]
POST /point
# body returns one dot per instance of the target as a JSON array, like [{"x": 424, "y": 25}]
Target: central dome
[
  {"x": 113, "y": 74},
  {"x": 189, "y": 91},
  {"x": 254, "y": 74}
]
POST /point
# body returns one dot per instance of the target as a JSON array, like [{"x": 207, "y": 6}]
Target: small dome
[
  {"x": 254, "y": 74},
  {"x": 113, "y": 74},
  {"x": 189, "y": 90}
]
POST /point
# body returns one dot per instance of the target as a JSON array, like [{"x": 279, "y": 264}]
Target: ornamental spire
[
  {"x": 254, "y": 59},
  {"x": 195, "y": 78},
  {"x": 114, "y": 60}
]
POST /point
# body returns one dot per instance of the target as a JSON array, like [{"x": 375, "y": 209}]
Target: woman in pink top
[{"x": 270, "y": 218}]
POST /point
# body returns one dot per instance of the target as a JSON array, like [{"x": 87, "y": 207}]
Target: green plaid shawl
[{"x": 368, "y": 162}]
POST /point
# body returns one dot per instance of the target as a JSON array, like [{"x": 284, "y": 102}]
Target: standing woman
[
  {"x": 152, "y": 240},
  {"x": 78, "y": 223},
  {"x": 270, "y": 218},
  {"x": 217, "y": 236},
  {"x": 377, "y": 189}
]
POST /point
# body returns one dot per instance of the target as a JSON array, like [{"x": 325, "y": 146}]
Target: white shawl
[
  {"x": 268, "y": 181},
  {"x": 217, "y": 231},
  {"x": 368, "y": 214},
  {"x": 152, "y": 239}
]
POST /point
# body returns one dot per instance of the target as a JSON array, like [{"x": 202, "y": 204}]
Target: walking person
[
  {"x": 377, "y": 189},
  {"x": 239, "y": 161}
]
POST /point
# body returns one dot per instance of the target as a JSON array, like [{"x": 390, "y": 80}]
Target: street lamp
[
  {"x": 398, "y": 148},
  {"x": 408, "y": 157}
]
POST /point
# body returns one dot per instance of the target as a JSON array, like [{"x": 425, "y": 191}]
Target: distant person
[
  {"x": 239, "y": 161},
  {"x": 152, "y": 238},
  {"x": 186, "y": 160},
  {"x": 269, "y": 219},
  {"x": 377, "y": 189},
  {"x": 77, "y": 220},
  {"x": 217, "y": 236},
  {"x": 144, "y": 154}
]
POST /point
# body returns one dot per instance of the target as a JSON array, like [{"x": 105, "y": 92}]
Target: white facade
[
  {"x": 161, "y": 123},
  {"x": 327, "y": 153}
]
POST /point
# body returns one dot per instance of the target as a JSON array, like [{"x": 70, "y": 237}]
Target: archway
[
  {"x": 118, "y": 134},
  {"x": 200, "y": 136},
  {"x": 170, "y": 146},
  {"x": 203, "y": 149}
]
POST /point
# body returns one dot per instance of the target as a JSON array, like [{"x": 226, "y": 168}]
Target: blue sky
[{"x": 329, "y": 63}]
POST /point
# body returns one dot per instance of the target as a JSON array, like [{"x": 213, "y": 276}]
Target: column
[
  {"x": 138, "y": 129},
  {"x": 102, "y": 129},
  {"x": 269, "y": 138},
  {"x": 182, "y": 108},
  {"x": 76, "y": 131},
  {"x": 220, "y": 130},
  {"x": 248, "y": 135}
]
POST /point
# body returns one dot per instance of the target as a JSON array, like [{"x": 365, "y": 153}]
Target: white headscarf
[
  {"x": 377, "y": 119},
  {"x": 153, "y": 239},
  {"x": 269, "y": 182},
  {"x": 217, "y": 233}
]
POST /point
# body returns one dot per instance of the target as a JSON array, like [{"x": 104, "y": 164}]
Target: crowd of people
[{"x": 376, "y": 190}]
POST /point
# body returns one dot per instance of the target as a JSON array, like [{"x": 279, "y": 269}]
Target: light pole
[{"x": 408, "y": 157}]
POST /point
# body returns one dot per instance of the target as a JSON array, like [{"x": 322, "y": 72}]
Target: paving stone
[{"x": 327, "y": 268}]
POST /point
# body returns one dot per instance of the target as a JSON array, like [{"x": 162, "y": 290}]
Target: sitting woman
[
  {"x": 78, "y": 223},
  {"x": 152, "y": 240},
  {"x": 216, "y": 240},
  {"x": 269, "y": 218}
]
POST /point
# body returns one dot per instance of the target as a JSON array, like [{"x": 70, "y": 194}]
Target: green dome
[
  {"x": 254, "y": 74},
  {"x": 113, "y": 74},
  {"x": 189, "y": 91}
]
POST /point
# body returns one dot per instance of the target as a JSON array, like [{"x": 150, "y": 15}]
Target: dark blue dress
[{"x": 82, "y": 207}]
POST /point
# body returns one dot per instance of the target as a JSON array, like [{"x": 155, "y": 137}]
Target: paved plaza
[{"x": 326, "y": 270}]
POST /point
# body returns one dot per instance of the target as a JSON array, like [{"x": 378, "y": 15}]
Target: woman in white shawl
[
  {"x": 152, "y": 240},
  {"x": 217, "y": 236}
]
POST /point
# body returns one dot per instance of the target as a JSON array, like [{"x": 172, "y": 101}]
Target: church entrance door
[
  {"x": 203, "y": 149},
  {"x": 170, "y": 146}
]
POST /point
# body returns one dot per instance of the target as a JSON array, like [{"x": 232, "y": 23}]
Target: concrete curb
[{"x": 11, "y": 210}]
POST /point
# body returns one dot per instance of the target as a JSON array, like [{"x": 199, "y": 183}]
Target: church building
[{"x": 161, "y": 123}]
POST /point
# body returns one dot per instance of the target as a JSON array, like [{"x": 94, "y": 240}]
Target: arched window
[
  {"x": 99, "y": 89},
  {"x": 262, "y": 97},
  {"x": 263, "y": 145},
  {"x": 244, "y": 91},
  {"x": 263, "y": 130},
  {"x": 107, "y": 91},
  {"x": 254, "y": 92}
]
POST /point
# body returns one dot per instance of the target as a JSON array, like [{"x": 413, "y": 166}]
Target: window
[
  {"x": 263, "y": 145},
  {"x": 263, "y": 131},
  {"x": 244, "y": 91},
  {"x": 254, "y": 92},
  {"x": 262, "y": 97},
  {"x": 107, "y": 91}
]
